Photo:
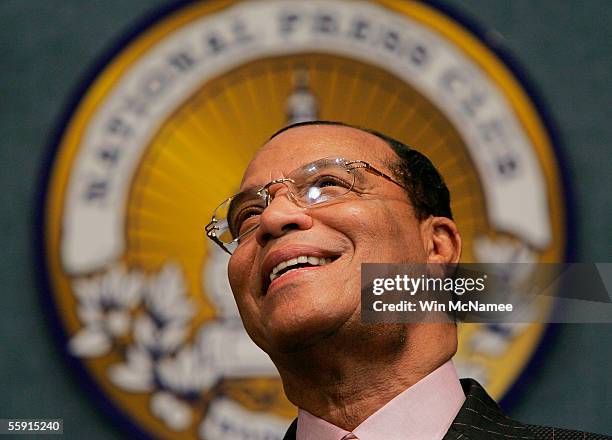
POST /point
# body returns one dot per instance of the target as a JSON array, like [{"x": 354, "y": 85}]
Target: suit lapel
[{"x": 481, "y": 418}]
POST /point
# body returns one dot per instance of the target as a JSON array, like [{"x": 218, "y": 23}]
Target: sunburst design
[{"x": 199, "y": 154}]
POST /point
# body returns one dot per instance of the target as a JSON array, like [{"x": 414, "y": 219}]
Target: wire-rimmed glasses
[{"x": 312, "y": 184}]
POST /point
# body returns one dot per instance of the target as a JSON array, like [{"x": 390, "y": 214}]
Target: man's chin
[{"x": 292, "y": 339}]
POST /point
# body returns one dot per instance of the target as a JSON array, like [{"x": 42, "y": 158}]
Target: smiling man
[{"x": 317, "y": 201}]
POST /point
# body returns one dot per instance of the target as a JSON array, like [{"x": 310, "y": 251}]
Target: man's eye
[
  {"x": 247, "y": 218},
  {"x": 331, "y": 181}
]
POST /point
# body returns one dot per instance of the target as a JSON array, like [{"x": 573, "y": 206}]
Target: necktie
[{"x": 349, "y": 436}]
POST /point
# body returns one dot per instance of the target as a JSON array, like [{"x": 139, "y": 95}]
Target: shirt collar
[{"x": 425, "y": 410}]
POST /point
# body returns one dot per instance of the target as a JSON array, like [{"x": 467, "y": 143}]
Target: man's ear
[{"x": 442, "y": 240}]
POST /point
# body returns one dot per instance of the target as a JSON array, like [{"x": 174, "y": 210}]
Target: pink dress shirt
[{"x": 424, "y": 411}]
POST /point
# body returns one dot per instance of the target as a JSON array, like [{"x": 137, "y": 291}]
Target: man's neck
[{"x": 345, "y": 387}]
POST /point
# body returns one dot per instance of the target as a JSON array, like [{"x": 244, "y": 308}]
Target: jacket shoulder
[
  {"x": 481, "y": 418},
  {"x": 548, "y": 432}
]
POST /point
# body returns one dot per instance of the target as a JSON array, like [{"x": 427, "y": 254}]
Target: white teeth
[
  {"x": 313, "y": 260},
  {"x": 298, "y": 260}
]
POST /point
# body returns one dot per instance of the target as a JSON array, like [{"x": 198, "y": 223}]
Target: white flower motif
[
  {"x": 158, "y": 339},
  {"x": 156, "y": 313},
  {"x": 164, "y": 326},
  {"x": 216, "y": 284},
  {"x": 175, "y": 413},
  {"x": 105, "y": 304},
  {"x": 110, "y": 307},
  {"x": 144, "y": 331},
  {"x": 166, "y": 299},
  {"x": 158, "y": 361},
  {"x": 187, "y": 373},
  {"x": 118, "y": 322},
  {"x": 229, "y": 420},
  {"x": 90, "y": 342},
  {"x": 240, "y": 359},
  {"x": 116, "y": 287},
  {"x": 136, "y": 374}
]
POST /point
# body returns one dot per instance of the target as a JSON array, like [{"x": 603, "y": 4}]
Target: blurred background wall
[{"x": 46, "y": 48}]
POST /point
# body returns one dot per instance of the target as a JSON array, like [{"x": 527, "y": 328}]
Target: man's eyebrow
[{"x": 248, "y": 192}]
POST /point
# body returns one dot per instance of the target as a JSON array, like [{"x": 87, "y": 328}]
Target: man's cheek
[
  {"x": 353, "y": 219},
  {"x": 236, "y": 278},
  {"x": 362, "y": 224},
  {"x": 243, "y": 299},
  {"x": 231, "y": 273}
]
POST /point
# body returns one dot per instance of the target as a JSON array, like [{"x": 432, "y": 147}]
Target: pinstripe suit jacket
[{"x": 480, "y": 418}]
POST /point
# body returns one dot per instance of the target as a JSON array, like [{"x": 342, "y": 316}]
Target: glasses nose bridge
[{"x": 269, "y": 195}]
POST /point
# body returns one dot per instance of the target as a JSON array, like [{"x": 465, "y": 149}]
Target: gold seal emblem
[{"x": 166, "y": 129}]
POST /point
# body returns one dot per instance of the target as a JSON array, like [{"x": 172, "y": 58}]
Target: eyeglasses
[{"x": 312, "y": 184}]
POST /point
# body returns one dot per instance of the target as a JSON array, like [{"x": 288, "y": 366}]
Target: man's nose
[{"x": 281, "y": 216}]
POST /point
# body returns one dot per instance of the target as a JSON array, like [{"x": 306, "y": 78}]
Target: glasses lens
[
  {"x": 238, "y": 215},
  {"x": 314, "y": 183},
  {"x": 320, "y": 181},
  {"x": 221, "y": 227}
]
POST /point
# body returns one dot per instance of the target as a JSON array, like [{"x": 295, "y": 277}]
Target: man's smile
[
  {"x": 287, "y": 262},
  {"x": 301, "y": 262}
]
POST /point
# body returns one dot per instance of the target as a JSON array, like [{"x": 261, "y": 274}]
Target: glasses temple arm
[{"x": 355, "y": 164}]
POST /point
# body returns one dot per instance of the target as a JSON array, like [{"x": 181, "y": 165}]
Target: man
[{"x": 316, "y": 201}]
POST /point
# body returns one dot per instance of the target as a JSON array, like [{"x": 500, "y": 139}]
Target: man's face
[{"x": 373, "y": 223}]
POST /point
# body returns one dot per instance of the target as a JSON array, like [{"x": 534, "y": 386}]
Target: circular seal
[{"x": 166, "y": 126}]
